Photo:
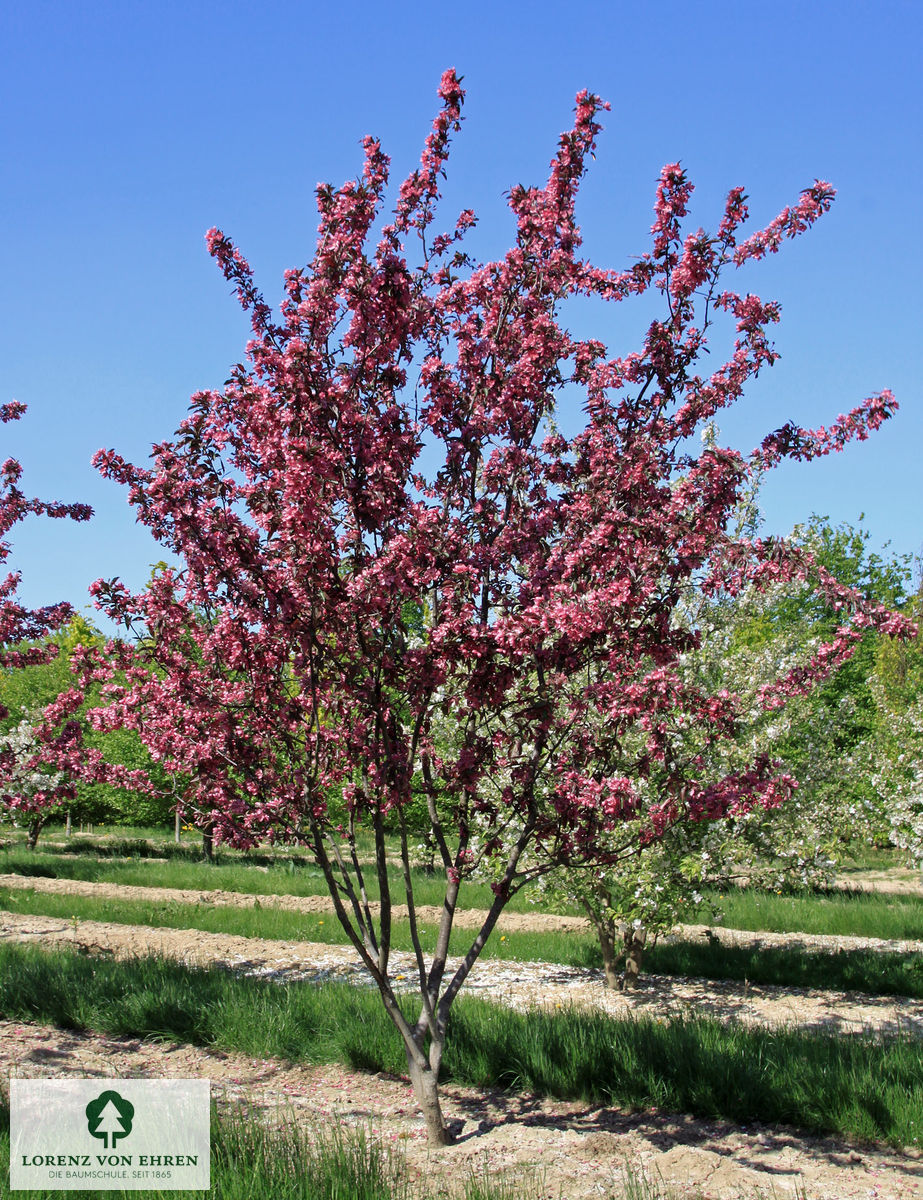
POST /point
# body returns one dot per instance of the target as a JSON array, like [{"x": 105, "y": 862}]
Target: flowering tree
[
  {"x": 644, "y": 893},
  {"x": 29, "y": 752},
  {"x": 389, "y": 449},
  {"x": 32, "y": 792}
]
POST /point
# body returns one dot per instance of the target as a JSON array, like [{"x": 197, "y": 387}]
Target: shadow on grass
[{"x": 856, "y": 1086}]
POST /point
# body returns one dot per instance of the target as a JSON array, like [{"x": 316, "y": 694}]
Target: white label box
[{"x": 114, "y": 1134}]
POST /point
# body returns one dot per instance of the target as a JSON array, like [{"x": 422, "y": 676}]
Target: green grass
[
  {"x": 280, "y": 872},
  {"x": 877, "y": 972},
  {"x": 859, "y": 914},
  {"x": 860, "y": 857},
  {"x": 127, "y": 845},
  {"x": 855, "y": 970},
  {"x": 849, "y": 914},
  {"x": 859, "y": 1087}
]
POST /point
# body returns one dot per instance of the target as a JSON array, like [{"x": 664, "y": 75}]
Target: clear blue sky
[{"x": 130, "y": 128}]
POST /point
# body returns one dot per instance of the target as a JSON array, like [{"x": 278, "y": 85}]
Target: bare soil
[{"x": 554, "y": 1149}]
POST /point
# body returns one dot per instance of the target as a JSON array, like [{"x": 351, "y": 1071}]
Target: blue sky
[{"x": 130, "y": 128}]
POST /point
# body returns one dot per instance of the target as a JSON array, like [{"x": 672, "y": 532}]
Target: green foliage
[
  {"x": 637, "y": 898},
  {"x": 30, "y": 689}
]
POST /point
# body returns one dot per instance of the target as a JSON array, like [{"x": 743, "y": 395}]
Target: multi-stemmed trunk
[
  {"x": 35, "y": 828},
  {"x": 423, "y": 1047},
  {"x": 618, "y": 941},
  {"x": 424, "y": 1041}
]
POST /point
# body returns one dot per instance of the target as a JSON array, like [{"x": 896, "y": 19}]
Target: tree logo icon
[{"x": 109, "y": 1117}]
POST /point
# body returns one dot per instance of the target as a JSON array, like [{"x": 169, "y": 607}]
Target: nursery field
[{"x": 777, "y": 1053}]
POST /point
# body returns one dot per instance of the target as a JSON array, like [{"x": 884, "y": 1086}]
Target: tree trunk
[
  {"x": 635, "y": 941},
  {"x": 176, "y": 826},
  {"x": 426, "y": 1090},
  {"x": 208, "y": 844},
  {"x": 35, "y": 828},
  {"x": 606, "y": 934}
]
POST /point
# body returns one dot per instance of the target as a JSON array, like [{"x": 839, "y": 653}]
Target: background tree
[
  {"x": 322, "y": 496},
  {"x": 33, "y": 792},
  {"x": 891, "y": 756},
  {"x": 95, "y": 794},
  {"x": 745, "y": 641},
  {"x": 819, "y": 735}
]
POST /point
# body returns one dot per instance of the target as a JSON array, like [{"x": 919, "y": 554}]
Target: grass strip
[
  {"x": 857, "y": 1087},
  {"x": 875, "y": 972},
  {"x": 836, "y": 913}
]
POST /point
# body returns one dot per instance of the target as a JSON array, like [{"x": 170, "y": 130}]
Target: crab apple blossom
[{"x": 397, "y": 584}]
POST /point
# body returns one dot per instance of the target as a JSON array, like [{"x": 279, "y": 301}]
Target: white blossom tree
[{"x": 31, "y": 790}]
